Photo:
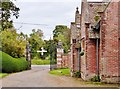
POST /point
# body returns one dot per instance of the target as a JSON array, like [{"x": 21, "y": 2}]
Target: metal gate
[{"x": 53, "y": 59}]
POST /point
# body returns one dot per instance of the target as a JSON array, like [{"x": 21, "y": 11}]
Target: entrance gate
[
  {"x": 53, "y": 59},
  {"x": 53, "y": 52}
]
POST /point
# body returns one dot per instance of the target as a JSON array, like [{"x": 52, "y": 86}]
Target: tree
[
  {"x": 36, "y": 41},
  {"x": 50, "y": 46},
  {"x": 13, "y": 43},
  {"x": 62, "y": 33},
  {"x": 59, "y": 29},
  {"x": 8, "y": 9},
  {"x": 47, "y": 47}
]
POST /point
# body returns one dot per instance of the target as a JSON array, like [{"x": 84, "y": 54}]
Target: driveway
[{"x": 38, "y": 76}]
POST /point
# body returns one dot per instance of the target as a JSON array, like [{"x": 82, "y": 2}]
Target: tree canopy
[
  {"x": 13, "y": 43},
  {"x": 62, "y": 33},
  {"x": 36, "y": 41},
  {"x": 8, "y": 9}
]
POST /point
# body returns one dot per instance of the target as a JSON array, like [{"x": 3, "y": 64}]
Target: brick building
[
  {"x": 75, "y": 46},
  {"x": 110, "y": 43},
  {"x": 90, "y": 38},
  {"x": 97, "y": 30},
  {"x": 100, "y": 41}
]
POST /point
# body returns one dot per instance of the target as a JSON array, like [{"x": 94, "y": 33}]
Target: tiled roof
[{"x": 94, "y": 8}]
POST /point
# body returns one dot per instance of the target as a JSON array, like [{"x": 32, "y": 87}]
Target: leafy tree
[
  {"x": 36, "y": 41},
  {"x": 47, "y": 47},
  {"x": 62, "y": 33},
  {"x": 13, "y": 43},
  {"x": 59, "y": 29},
  {"x": 8, "y": 9},
  {"x": 50, "y": 46}
]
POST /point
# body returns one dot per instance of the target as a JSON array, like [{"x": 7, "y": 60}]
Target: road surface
[{"x": 38, "y": 76}]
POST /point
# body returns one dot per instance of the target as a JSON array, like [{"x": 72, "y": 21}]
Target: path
[{"x": 39, "y": 77}]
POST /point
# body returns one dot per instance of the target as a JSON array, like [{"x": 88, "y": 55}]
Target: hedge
[{"x": 10, "y": 64}]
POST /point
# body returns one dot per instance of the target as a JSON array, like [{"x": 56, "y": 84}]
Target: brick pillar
[{"x": 59, "y": 57}]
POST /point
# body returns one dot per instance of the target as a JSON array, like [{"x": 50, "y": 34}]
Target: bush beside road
[{"x": 10, "y": 64}]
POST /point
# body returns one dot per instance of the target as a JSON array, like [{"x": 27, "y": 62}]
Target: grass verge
[
  {"x": 40, "y": 62},
  {"x": 3, "y": 75},
  {"x": 60, "y": 72}
]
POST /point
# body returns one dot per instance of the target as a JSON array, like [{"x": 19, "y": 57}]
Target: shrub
[
  {"x": 95, "y": 79},
  {"x": 77, "y": 74},
  {"x": 10, "y": 64},
  {"x": 12, "y": 43}
]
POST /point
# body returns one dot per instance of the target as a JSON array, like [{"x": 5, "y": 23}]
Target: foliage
[
  {"x": 77, "y": 74},
  {"x": 8, "y": 9},
  {"x": 36, "y": 41},
  {"x": 53, "y": 52},
  {"x": 3, "y": 75},
  {"x": 12, "y": 43},
  {"x": 62, "y": 33},
  {"x": 60, "y": 72},
  {"x": 59, "y": 29},
  {"x": 10, "y": 64},
  {"x": 47, "y": 47},
  {"x": 95, "y": 79},
  {"x": 40, "y": 62}
]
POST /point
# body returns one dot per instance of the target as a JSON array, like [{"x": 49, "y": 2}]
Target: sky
[{"x": 45, "y": 15}]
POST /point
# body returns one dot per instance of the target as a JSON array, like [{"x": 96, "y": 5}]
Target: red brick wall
[
  {"x": 91, "y": 57},
  {"x": 75, "y": 61},
  {"x": 65, "y": 61},
  {"x": 119, "y": 36},
  {"x": 88, "y": 61},
  {"x": 109, "y": 44}
]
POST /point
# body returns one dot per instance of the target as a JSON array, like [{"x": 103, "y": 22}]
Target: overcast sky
[{"x": 47, "y": 13}]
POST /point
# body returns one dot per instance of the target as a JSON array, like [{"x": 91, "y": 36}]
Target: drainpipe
[
  {"x": 97, "y": 57},
  {"x": 71, "y": 65},
  {"x": 50, "y": 57}
]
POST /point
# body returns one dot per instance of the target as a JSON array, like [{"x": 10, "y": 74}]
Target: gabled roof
[{"x": 94, "y": 8}]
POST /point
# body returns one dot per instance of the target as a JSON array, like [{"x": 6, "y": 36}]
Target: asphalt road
[{"x": 38, "y": 76}]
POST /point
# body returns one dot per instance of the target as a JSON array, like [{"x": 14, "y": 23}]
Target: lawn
[
  {"x": 3, "y": 75},
  {"x": 40, "y": 62},
  {"x": 61, "y": 72}
]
